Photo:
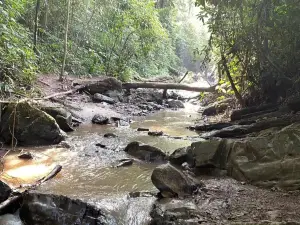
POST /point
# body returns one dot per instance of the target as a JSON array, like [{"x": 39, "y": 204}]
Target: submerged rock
[
  {"x": 171, "y": 182},
  {"x": 42, "y": 209},
  {"x": 31, "y": 126},
  {"x": 99, "y": 119},
  {"x": 62, "y": 117},
  {"x": 125, "y": 162},
  {"x": 142, "y": 129},
  {"x": 155, "y": 133},
  {"x": 102, "y": 98},
  {"x": 109, "y": 135},
  {"x": 25, "y": 155},
  {"x": 5, "y": 191},
  {"x": 175, "y": 104},
  {"x": 145, "y": 152}
]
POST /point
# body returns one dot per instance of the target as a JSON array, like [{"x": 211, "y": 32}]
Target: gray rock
[
  {"x": 102, "y": 98},
  {"x": 5, "y": 191},
  {"x": 170, "y": 181},
  {"x": 175, "y": 104},
  {"x": 99, "y": 119},
  {"x": 179, "y": 156},
  {"x": 215, "y": 108},
  {"x": 102, "y": 86},
  {"x": 62, "y": 117},
  {"x": 42, "y": 209},
  {"x": 145, "y": 152},
  {"x": 116, "y": 95},
  {"x": 175, "y": 212},
  {"x": 268, "y": 161},
  {"x": 31, "y": 126}
]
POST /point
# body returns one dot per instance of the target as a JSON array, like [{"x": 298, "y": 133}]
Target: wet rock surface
[
  {"x": 38, "y": 209},
  {"x": 5, "y": 191},
  {"x": 102, "y": 98},
  {"x": 31, "y": 126},
  {"x": 175, "y": 104},
  {"x": 179, "y": 156},
  {"x": 10, "y": 219},
  {"x": 99, "y": 119},
  {"x": 145, "y": 152},
  {"x": 62, "y": 117},
  {"x": 25, "y": 155},
  {"x": 172, "y": 182}
]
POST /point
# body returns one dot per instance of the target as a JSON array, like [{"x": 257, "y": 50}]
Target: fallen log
[
  {"x": 12, "y": 202},
  {"x": 174, "y": 86}
]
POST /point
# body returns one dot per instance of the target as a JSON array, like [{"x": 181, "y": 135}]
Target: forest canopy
[
  {"x": 257, "y": 45},
  {"x": 120, "y": 38}
]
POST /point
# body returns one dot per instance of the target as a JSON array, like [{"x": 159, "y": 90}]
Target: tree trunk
[
  {"x": 167, "y": 86},
  {"x": 61, "y": 77},
  {"x": 236, "y": 92},
  {"x": 35, "y": 35},
  {"x": 187, "y": 72}
]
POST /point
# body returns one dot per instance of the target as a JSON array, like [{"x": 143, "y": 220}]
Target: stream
[{"x": 89, "y": 173}]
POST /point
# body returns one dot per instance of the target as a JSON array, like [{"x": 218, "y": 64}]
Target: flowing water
[{"x": 89, "y": 173}]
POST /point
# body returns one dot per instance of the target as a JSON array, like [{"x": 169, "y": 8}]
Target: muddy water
[{"x": 88, "y": 171}]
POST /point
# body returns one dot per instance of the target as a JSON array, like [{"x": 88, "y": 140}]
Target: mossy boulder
[
  {"x": 62, "y": 116},
  {"x": 27, "y": 125}
]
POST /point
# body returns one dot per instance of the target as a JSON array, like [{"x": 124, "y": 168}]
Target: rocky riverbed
[{"x": 132, "y": 160}]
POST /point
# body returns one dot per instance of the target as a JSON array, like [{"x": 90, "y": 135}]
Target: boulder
[
  {"x": 210, "y": 153},
  {"x": 62, "y": 117},
  {"x": 116, "y": 95},
  {"x": 104, "y": 85},
  {"x": 31, "y": 126},
  {"x": 272, "y": 160},
  {"x": 142, "y": 129},
  {"x": 102, "y": 98},
  {"x": 175, "y": 104},
  {"x": 179, "y": 156},
  {"x": 42, "y": 209},
  {"x": 145, "y": 152},
  {"x": 171, "y": 182},
  {"x": 175, "y": 212},
  {"x": 99, "y": 119},
  {"x": 5, "y": 191},
  {"x": 215, "y": 108},
  {"x": 110, "y": 135}
]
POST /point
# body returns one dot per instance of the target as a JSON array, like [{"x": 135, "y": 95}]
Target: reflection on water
[{"x": 88, "y": 171}]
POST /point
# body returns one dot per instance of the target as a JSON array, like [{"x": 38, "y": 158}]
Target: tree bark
[
  {"x": 35, "y": 35},
  {"x": 61, "y": 77},
  {"x": 167, "y": 86},
  {"x": 236, "y": 92}
]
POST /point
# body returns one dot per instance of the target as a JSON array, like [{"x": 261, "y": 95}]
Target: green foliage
[
  {"x": 260, "y": 42},
  {"x": 17, "y": 59}
]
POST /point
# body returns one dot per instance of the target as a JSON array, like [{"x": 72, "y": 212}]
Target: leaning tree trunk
[
  {"x": 61, "y": 77},
  {"x": 236, "y": 92}
]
